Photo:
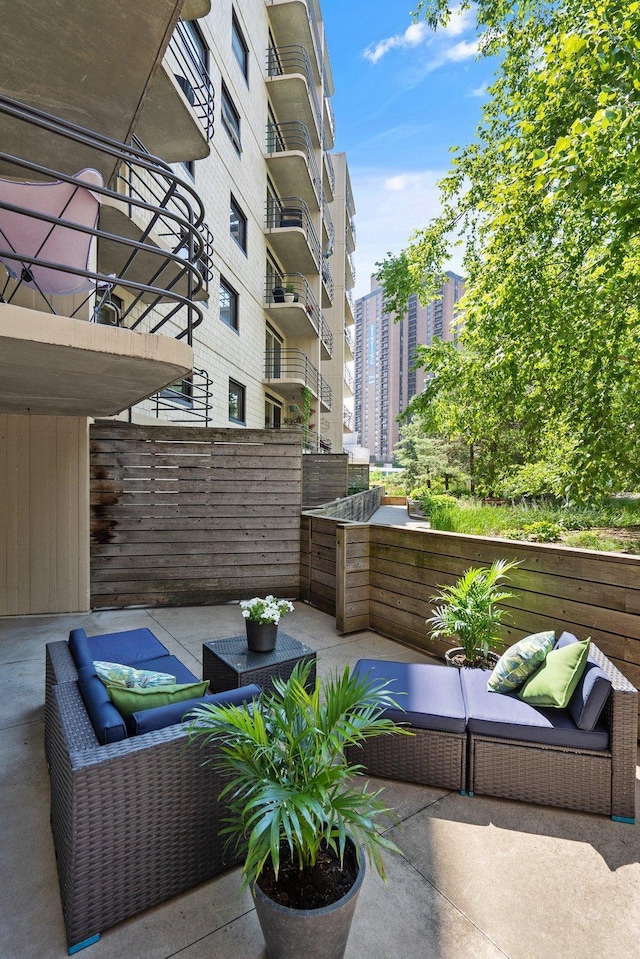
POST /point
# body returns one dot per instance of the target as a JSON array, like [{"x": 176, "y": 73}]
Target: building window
[
  {"x": 228, "y": 305},
  {"x": 238, "y": 225},
  {"x": 239, "y": 46},
  {"x": 236, "y": 402},
  {"x": 272, "y": 414},
  {"x": 231, "y": 119},
  {"x": 181, "y": 393}
]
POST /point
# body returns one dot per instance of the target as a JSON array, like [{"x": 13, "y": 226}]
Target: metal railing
[
  {"x": 349, "y": 338},
  {"x": 328, "y": 225},
  {"x": 275, "y": 292},
  {"x": 186, "y": 402},
  {"x": 352, "y": 268},
  {"x": 332, "y": 118},
  {"x": 160, "y": 278},
  {"x": 347, "y": 418},
  {"x": 184, "y": 58},
  {"x": 291, "y": 59},
  {"x": 327, "y": 278},
  {"x": 348, "y": 377},
  {"x": 292, "y": 211},
  {"x": 294, "y": 136},
  {"x": 331, "y": 173},
  {"x": 326, "y": 397},
  {"x": 292, "y": 364},
  {"x": 349, "y": 297}
]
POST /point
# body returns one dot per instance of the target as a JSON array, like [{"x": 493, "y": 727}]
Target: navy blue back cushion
[
  {"x": 159, "y": 717},
  {"x": 107, "y": 722},
  {"x": 591, "y": 693},
  {"x": 131, "y": 647}
]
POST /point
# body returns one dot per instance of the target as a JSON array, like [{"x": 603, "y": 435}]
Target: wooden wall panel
[
  {"x": 324, "y": 478},
  {"x": 191, "y": 517},
  {"x": 44, "y": 514}
]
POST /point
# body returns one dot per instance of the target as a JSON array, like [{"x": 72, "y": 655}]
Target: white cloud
[
  {"x": 390, "y": 205},
  {"x": 419, "y": 33},
  {"x": 464, "y": 50},
  {"x": 480, "y": 91},
  {"x": 412, "y": 37}
]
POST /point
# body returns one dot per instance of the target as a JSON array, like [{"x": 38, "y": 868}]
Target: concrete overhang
[
  {"x": 168, "y": 125},
  {"x": 290, "y": 24},
  {"x": 290, "y": 171},
  {"x": 57, "y": 366},
  {"x": 195, "y": 9},
  {"x": 289, "y": 95},
  {"x": 292, "y": 319},
  {"x": 290, "y": 244}
]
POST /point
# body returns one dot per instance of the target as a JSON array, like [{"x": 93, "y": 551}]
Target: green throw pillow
[
  {"x": 117, "y": 674},
  {"x": 519, "y": 661},
  {"x": 128, "y": 701},
  {"x": 553, "y": 684}
]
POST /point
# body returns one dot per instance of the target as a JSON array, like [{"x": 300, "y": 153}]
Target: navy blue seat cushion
[
  {"x": 505, "y": 716},
  {"x": 107, "y": 722},
  {"x": 430, "y": 695},
  {"x": 148, "y": 720},
  {"x": 131, "y": 647},
  {"x": 591, "y": 694},
  {"x": 169, "y": 664}
]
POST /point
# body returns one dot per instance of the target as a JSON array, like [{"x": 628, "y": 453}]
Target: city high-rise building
[
  {"x": 175, "y": 244},
  {"x": 385, "y": 380}
]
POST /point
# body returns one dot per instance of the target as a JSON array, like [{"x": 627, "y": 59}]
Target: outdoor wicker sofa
[
  {"x": 134, "y": 822},
  {"x": 508, "y": 748}
]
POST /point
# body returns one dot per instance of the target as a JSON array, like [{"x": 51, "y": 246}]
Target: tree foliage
[{"x": 545, "y": 201}]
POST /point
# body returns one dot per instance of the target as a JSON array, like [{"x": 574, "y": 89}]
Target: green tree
[
  {"x": 545, "y": 202},
  {"x": 427, "y": 457}
]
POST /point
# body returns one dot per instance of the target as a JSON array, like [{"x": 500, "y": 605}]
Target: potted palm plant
[
  {"x": 296, "y": 807},
  {"x": 469, "y": 612}
]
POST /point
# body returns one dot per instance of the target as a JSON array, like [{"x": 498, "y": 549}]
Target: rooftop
[{"x": 479, "y": 878}]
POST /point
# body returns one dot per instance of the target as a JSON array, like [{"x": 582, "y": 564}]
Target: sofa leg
[
  {"x": 623, "y": 819},
  {"x": 71, "y": 950},
  {"x": 470, "y": 794},
  {"x": 463, "y": 792}
]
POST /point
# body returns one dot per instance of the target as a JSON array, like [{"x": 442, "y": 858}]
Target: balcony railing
[
  {"x": 294, "y": 136},
  {"x": 192, "y": 76},
  {"x": 331, "y": 173},
  {"x": 352, "y": 268},
  {"x": 348, "y": 377},
  {"x": 332, "y": 118},
  {"x": 328, "y": 225},
  {"x": 186, "y": 402},
  {"x": 157, "y": 270},
  {"x": 290, "y": 59},
  {"x": 347, "y": 418},
  {"x": 292, "y": 211},
  {"x": 327, "y": 278},
  {"x": 275, "y": 292},
  {"x": 295, "y": 365},
  {"x": 349, "y": 338}
]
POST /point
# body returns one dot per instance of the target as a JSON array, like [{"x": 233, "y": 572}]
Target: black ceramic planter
[
  {"x": 261, "y": 637},
  {"x": 312, "y": 933}
]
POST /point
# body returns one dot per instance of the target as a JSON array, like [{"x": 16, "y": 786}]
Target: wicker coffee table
[{"x": 228, "y": 663}]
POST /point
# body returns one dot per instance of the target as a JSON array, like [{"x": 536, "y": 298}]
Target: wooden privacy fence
[
  {"x": 318, "y": 545},
  {"x": 385, "y": 578},
  {"x": 187, "y": 517},
  {"x": 324, "y": 478}
]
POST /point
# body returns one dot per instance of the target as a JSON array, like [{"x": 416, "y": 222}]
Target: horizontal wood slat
[{"x": 193, "y": 516}]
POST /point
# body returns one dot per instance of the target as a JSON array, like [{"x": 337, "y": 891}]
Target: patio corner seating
[
  {"x": 493, "y": 744},
  {"x": 135, "y": 821}
]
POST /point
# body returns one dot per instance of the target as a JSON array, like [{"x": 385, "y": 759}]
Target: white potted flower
[{"x": 261, "y": 618}]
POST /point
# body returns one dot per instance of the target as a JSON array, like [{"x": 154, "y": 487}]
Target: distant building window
[
  {"x": 236, "y": 402},
  {"x": 239, "y": 46},
  {"x": 228, "y": 305},
  {"x": 238, "y": 225},
  {"x": 231, "y": 119}
]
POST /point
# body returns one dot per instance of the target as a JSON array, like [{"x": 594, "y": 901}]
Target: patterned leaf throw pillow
[
  {"x": 520, "y": 661},
  {"x": 116, "y": 674}
]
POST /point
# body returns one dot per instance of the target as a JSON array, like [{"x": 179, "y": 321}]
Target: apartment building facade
[
  {"x": 385, "y": 378},
  {"x": 213, "y": 282}
]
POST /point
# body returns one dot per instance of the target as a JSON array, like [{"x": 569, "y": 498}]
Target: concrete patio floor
[{"x": 478, "y": 878}]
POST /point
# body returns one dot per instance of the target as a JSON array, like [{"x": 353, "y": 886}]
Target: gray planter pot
[
  {"x": 449, "y": 657},
  {"x": 261, "y": 637},
  {"x": 309, "y": 933}
]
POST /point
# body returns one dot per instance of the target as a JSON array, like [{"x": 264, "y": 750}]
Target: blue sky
[{"x": 404, "y": 96}]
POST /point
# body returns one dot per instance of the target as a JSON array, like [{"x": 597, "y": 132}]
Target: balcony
[
  {"x": 297, "y": 314},
  {"x": 291, "y": 162},
  {"x": 347, "y": 376},
  {"x": 176, "y": 121},
  {"x": 327, "y": 284},
  {"x": 291, "y": 234},
  {"x": 350, "y": 235},
  {"x": 291, "y": 87},
  {"x": 349, "y": 342},
  {"x": 328, "y": 229},
  {"x": 350, "y": 276},
  {"x": 347, "y": 420},
  {"x": 328, "y": 177},
  {"x": 288, "y": 370},
  {"x": 349, "y": 308},
  {"x": 329, "y": 125},
  {"x": 294, "y": 21},
  {"x": 89, "y": 276},
  {"x": 188, "y": 401}
]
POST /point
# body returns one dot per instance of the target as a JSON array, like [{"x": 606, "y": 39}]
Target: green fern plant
[
  {"x": 469, "y": 612},
  {"x": 288, "y": 780}
]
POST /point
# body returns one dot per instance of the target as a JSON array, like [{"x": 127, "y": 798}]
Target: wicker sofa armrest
[
  {"x": 134, "y": 822},
  {"x": 621, "y": 716}
]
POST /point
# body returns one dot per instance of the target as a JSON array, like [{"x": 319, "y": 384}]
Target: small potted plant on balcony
[
  {"x": 289, "y": 293},
  {"x": 298, "y": 809},
  {"x": 469, "y": 612},
  {"x": 261, "y": 618}
]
